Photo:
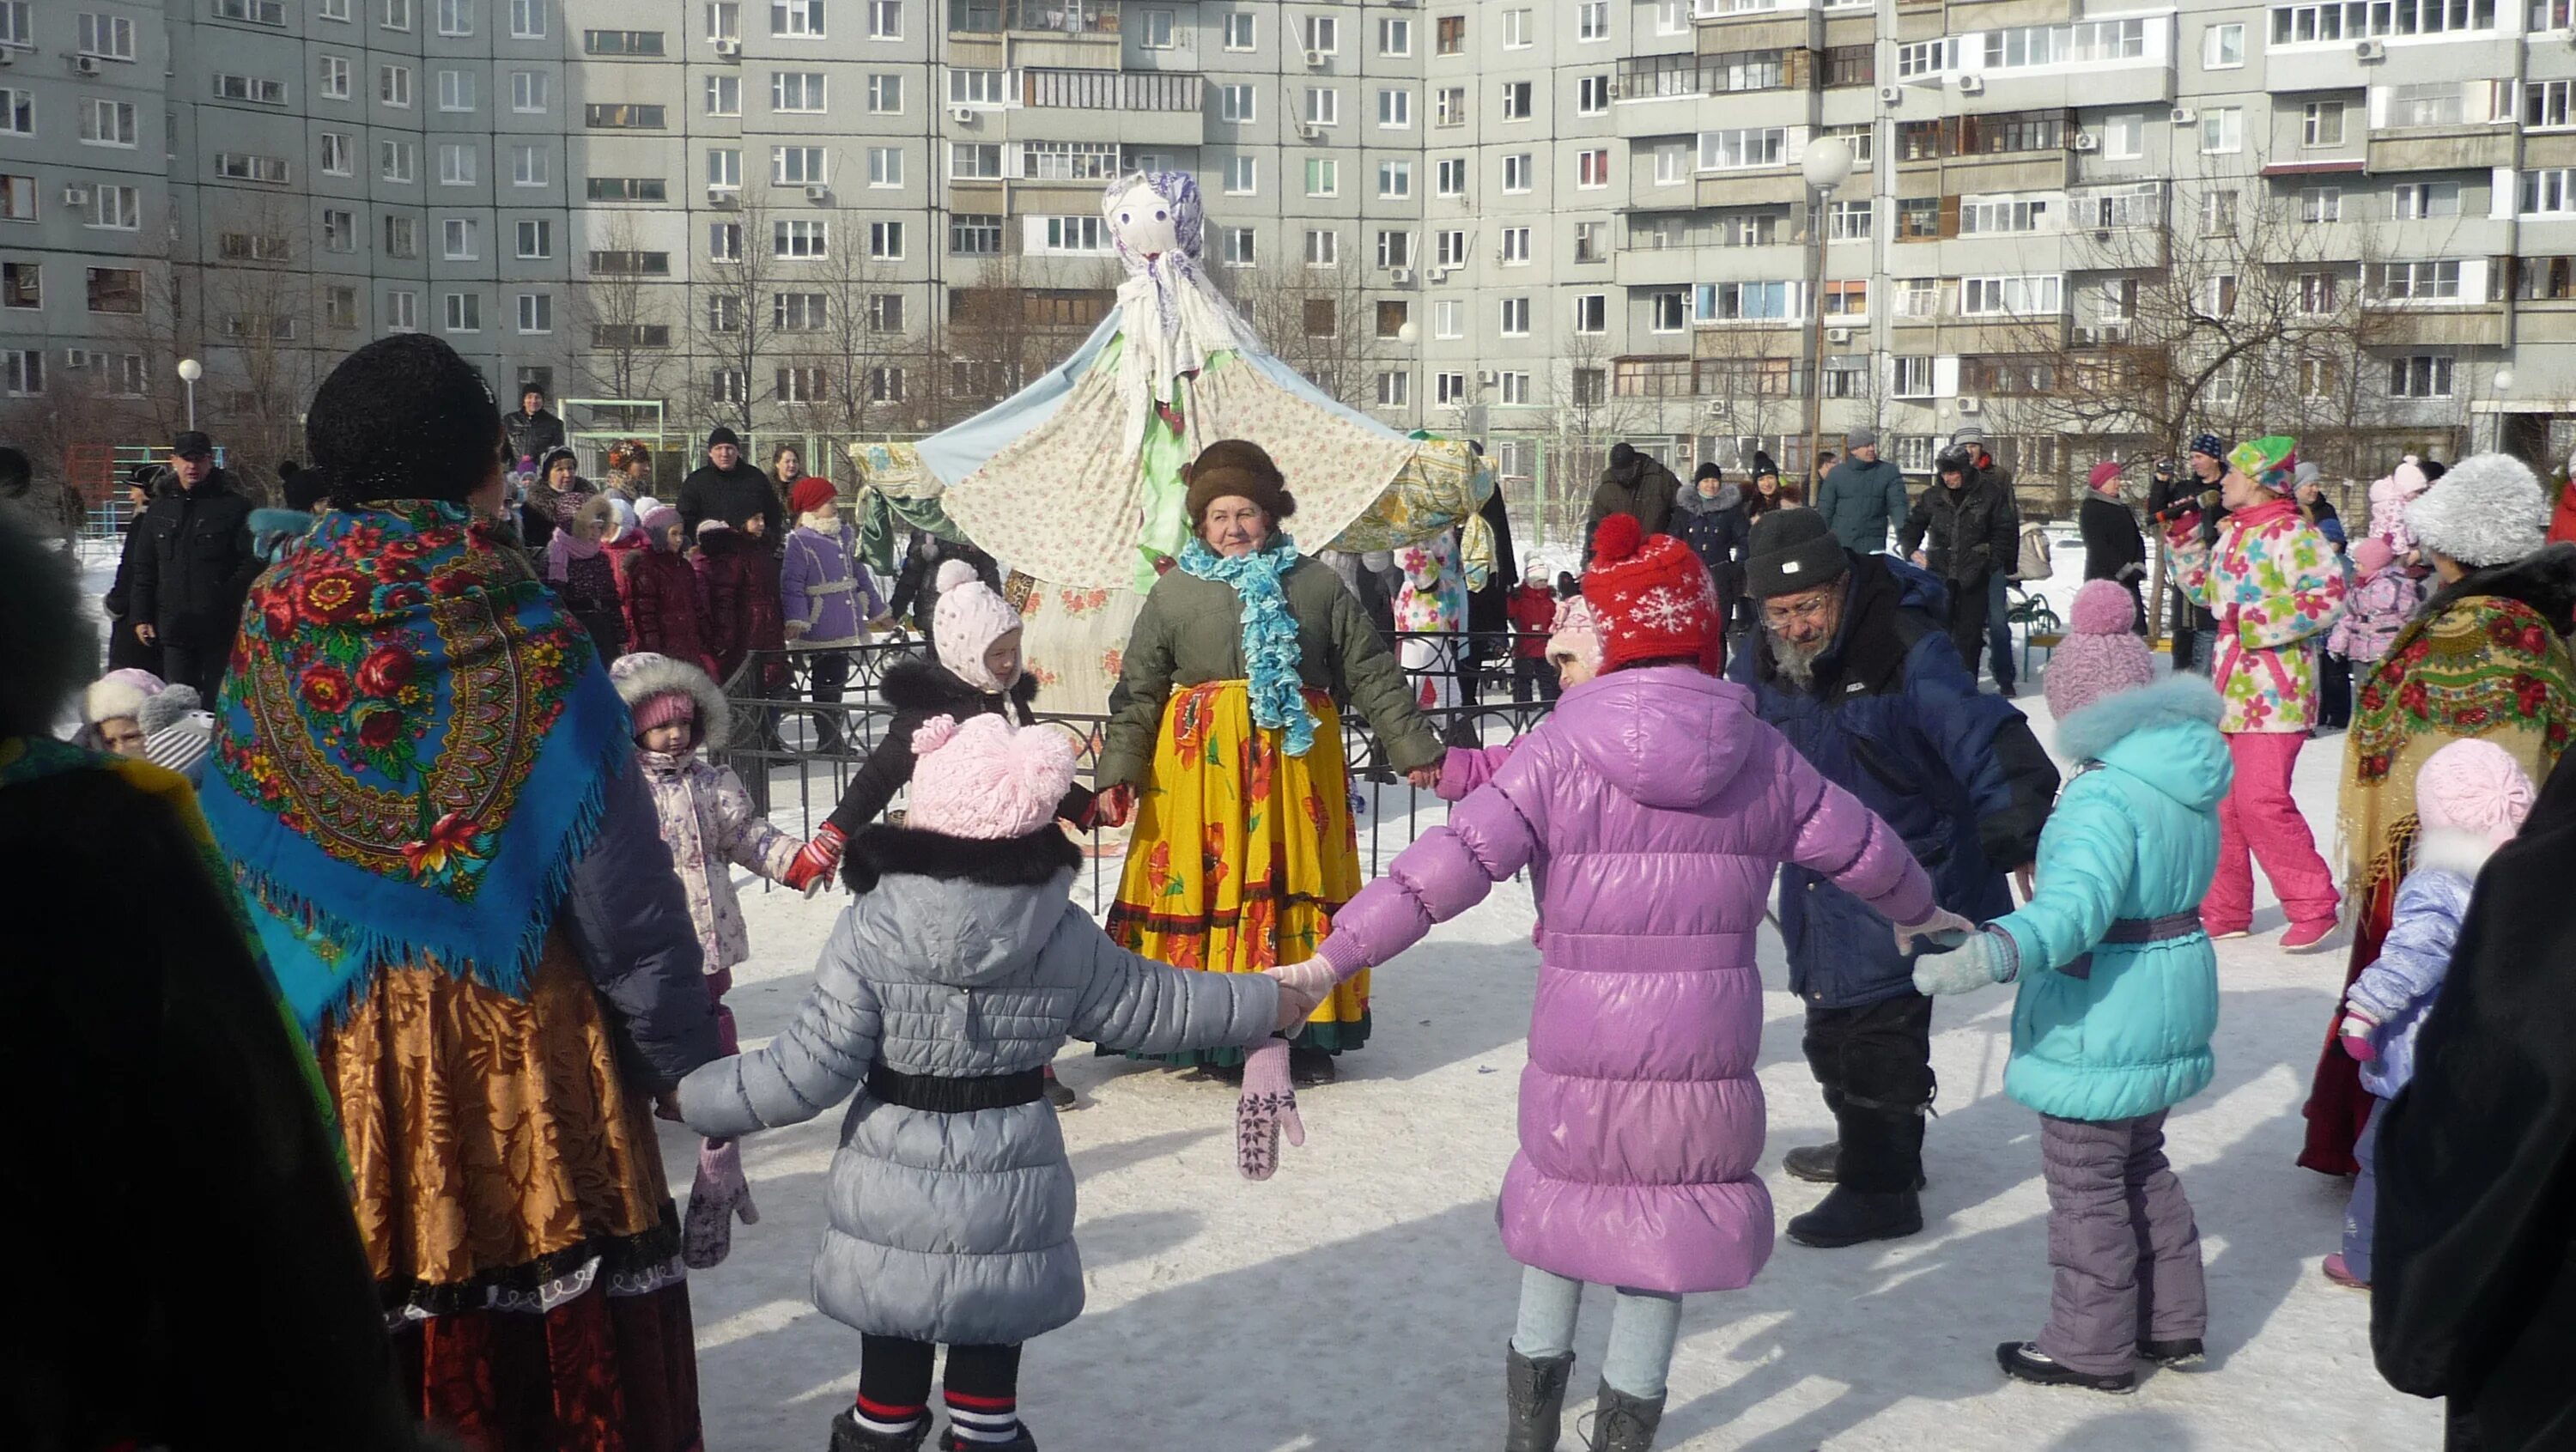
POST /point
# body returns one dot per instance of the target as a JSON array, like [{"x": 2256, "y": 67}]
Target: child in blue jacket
[{"x": 2118, "y": 999}]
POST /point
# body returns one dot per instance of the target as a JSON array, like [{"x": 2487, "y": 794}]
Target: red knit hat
[
  {"x": 811, "y": 492},
  {"x": 1653, "y": 598}
]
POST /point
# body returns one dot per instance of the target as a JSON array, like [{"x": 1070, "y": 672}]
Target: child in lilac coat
[
  {"x": 2382, "y": 598},
  {"x": 1652, "y": 810}
]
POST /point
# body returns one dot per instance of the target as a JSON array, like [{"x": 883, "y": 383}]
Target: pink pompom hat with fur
[
  {"x": 987, "y": 779},
  {"x": 2475, "y": 787},
  {"x": 2101, "y": 655}
]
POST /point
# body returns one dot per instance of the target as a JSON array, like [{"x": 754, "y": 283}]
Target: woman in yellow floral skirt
[{"x": 1228, "y": 744}]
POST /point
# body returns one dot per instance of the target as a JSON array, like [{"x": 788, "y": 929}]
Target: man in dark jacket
[
  {"x": 2114, "y": 549},
  {"x": 1489, "y": 621},
  {"x": 1863, "y": 499},
  {"x": 2473, "y": 1289},
  {"x": 186, "y": 591},
  {"x": 727, "y": 488},
  {"x": 533, "y": 431},
  {"x": 1962, "y": 530},
  {"x": 125, "y": 648},
  {"x": 1635, "y": 484},
  {"x": 1851, "y": 664},
  {"x": 2194, "y": 494}
]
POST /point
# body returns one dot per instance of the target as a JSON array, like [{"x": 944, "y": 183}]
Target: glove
[
  {"x": 1268, "y": 1105},
  {"x": 720, "y": 1194},
  {"x": 1302, "y": 988},
  {"x": 1963, "y": 969},
  {"x": 1941, "y": 922},
  {"x": 2355, "y": 1034},
  {"x": 816, "y": 860}
]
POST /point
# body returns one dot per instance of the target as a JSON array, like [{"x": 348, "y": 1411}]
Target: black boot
[
  {"x": 1622, "y": 1423},
  {"x": 1534, "y": 1395},
  {"x": 849, "y": 1436},
  {"x": 1310, "y": 1068},
  {"x": 2174, "y": 1355},
  {"x": 1849, "y": 1217},
  {"x": 2023, "y": 1361},
  {"x": 1020, "y": 1441},
  {"x": 1818, "y": 1164}
]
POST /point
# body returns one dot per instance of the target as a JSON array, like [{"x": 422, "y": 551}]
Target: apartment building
[{"x": 1550, "y": 224}]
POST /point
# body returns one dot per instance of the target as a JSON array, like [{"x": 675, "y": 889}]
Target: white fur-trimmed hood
[
  {"x": 647, "y": 674},
  {"x": 2084, "y": 735},
  {"x": 2452, "y": 849}
]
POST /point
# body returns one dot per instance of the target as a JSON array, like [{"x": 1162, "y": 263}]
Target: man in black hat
[
  {"x": 1852, "y": 664},
  {"x": 727, "y": 487},
  {"x": 196, "y": 566},
  {"x": 534, "y": 431},
  {"x": 1635, "y": 484}
]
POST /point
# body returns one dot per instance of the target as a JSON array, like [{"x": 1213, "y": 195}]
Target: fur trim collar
[
  {"x": 2086, "y": 734},
  {"x": 1728, "y": 496},
  {"x": 918, "y": 684},
  {"x": 2450, "y": 849},
  {"x": 654, "y": 677},
  {"x": 2545, "y": 580},
  {"x": 1028, "y": 861}
]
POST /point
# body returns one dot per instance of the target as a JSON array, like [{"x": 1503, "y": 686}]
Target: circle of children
[{"x": 1845, "y": 753}]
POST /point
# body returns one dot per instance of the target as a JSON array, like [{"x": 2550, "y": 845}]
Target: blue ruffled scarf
[{"x": 1270, "y": 651}]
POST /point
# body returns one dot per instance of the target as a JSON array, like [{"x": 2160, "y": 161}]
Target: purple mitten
[
  {"x": 720, "y": 1193},
  {"x": 1269, "y": 1104}
]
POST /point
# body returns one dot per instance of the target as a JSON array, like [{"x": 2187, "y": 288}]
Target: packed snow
[{"x": 1361, "y": 1300}]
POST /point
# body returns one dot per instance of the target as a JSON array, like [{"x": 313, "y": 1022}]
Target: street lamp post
[
  {"x": 1828, "y": 165},
  {"x": 190, "y": 370}
]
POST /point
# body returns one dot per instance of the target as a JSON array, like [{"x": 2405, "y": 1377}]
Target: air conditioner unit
[
  {"x": 962, "y": 115},
  {"x": 1616, "y": 90},
  {"x": 1438, "y": 274},
  {"x": 1717, "y": 408},
  {"x": 1970, "y": 405},
  {"x": 729, "y": 49},
  {"x": 720, "y": 197},
  {"x": 818, "y": 192},
  {"x": 2087, "y": 141},
  {"x": 75, "y": 196},
  {"x": 1403, "y": 276},
  {"x": 1890, "y": 95},
  {"x": 1971, "y": 85},
  {"x": 2184, "y": 116},
  {"x": 1314, "y": 59},
  {"x": 2370, "y": 50},
  {"x": 2102, "y": 234},
  {"x": 1490, "y": 378},
  {"x": 8, "y": 57},
  {"x": 1837, "y": 335},
  {"x": 84, "y": 65},
  {"x": 1308, "y": 131}
]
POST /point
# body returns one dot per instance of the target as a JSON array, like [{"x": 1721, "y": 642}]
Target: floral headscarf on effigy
[{"x": 414, "y": 740}]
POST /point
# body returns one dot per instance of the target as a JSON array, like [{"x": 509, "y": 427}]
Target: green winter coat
[
  {"x": 1190, "y": 632},
  {"x": 2104, "y": 1031}
]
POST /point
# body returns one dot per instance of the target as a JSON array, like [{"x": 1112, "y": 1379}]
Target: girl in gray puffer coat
[{"x": 945, "y": 990}]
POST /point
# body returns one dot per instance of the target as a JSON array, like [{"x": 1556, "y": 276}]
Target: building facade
[{"x": 1552, "y": 225}]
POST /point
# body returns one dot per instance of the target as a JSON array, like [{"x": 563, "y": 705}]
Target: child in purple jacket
[{"x": 1652, "y": 810}]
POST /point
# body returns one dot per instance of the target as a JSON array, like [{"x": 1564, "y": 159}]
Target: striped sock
[
  {"x": 982, "y": 1421},
  {"x": 886, "y": 1420}
]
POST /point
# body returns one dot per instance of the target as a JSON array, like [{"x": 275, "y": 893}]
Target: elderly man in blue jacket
[{"x": 1854, "y": 666}]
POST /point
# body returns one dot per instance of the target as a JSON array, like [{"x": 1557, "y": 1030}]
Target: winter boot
[
  {"x": 1311, "y": 1068},
  {"x": 1849, "y": 1217},
  {"x": 1622, "y": 1423},
  {"x": 2024, "y": 1361},
  {"x": 1020, "y": 1441},
  {"x": 849, "y": 1436},
  {"x": 2174, "y": 1355},
  {"x": 1534, "y": 1395},
  {"x": 1817, "y": 1164}
]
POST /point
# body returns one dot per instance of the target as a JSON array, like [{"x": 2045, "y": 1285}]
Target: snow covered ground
[{"x": 1361, "y": 1300}]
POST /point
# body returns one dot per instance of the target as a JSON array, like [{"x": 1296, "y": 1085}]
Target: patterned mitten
[
  {"x": 816, "y": 860},
  {"x": 721, "y": 1193},
  {"x": 1268, "y": 1105}
]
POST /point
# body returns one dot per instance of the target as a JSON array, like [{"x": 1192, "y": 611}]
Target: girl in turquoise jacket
[{"x": 2118, "y": 999}]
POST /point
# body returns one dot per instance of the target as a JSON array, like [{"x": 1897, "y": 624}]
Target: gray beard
[{"x": 1796, "y": 663}]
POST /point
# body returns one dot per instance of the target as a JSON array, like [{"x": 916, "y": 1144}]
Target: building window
[
  {"x": 456, "y": 17},
  {"x": 1234, "y": 103},
  {"x": 729, "y": 385},
  {"x": 1235, "y": 246},
  {"x": 2422, "y": 375},
  {"x": 1323, "y": 176},
  {"x": 393, "y": 85},
  {"x": 103, "y": 123},
  {"x": 885, "y": 312},
  {"x": 885, "y": 19},
  {"x": 2416, "y": 281},
  {"x": 802, "y": 385},
  {"x": 2010, "y": 296},
  {"x": 1515, "y": 389},
  {"x": 2424, "y": 201},
  {"x": 251, "y": 89},
  {"x": 1592, "y": 168},
  {"x": 1450, "y": 33},
  {"x": 2124, "y": 137},
  {"x": 1591, "y": 313},
  {"x": 885, "y": 94},
  {"x": 1323, "y": 106},
  {"x": 1395, "y": 37},
  {"x": 455, "y": 165},
  {"x": 724, "y": 95},
  {"x": 1323, "y": 33},
  {"x": 885, "y": 241},
  {"x": 2321, "y": 124},
  {"x": 621, "y": 42},
  {"x": 1449, "y": 390},
  {"x": 799, "y": 91},
  {"x": 22, "y": 372},
  {"x": 332, "y": 77},
  {"x": 2350, "y": 20},
  {"x": 1517, "y": 103},
  {"x": 2315, "y": 295},
  {"x": 796, "y": 17},
  {"x": 975, "y": 234},
  {"x": 1395, "y": 110},
  {"x": 1394, "y": 389},
  {"x": 1514, "y": 319},
  {"x": 536, "y": 312},
  {"x": 236, "y": 166},
  {"x": 2320, "y": 204},
  {"x": 536, "y": 239},
  {"x": 2222, "y": 130},
  {"x": 256, "y": 12},
  {"x": 2222, "y": 47},
  {"x": 885, "y": 167},
  {"x": 1238, "y": 31},
  {"x": 529, "y": 91},
  {"x": 1516, "y": 173},
  {"x": 975, "y": 161},
  {"x": 1394, "y": 180},
  {"x": 1241, "y": 173},
  {"x": 1394, "y": 249},
  {"x": 1449, "y": 176},
  {"x": 109, "y": 37},
  {"x": 339, "y": 230},
  {"x": 464, "y": 312},
  {"x": 977, "y": 88},
  {"x": 796, "y": 166},
  {"x": 800, "y": 241},
  {"x": 527, "y": 19},
  {"x": 463, "y": 239},
  {"x": 1848, "y": 221},
  {"x": 120, "y": 289},
  {"x": 1592, "y": 20},
  {"x": 627, "y": 189},
  {"x": 798, "y": 312},
  {"x": 1748, "y": 147},
  {"x": 1450, "y": 248},
  {"x": 2218, "y": 214},
  {"x": 402, "y": 237},
  {"x": 1323, "y": 248}
]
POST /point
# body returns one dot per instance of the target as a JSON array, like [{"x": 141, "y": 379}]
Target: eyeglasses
[{"x": 1812, "y": 608}]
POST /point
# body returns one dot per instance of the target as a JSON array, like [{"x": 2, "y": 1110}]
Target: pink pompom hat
[
  {"x": 987, "y": 779},
  {"x": 2475, "y": 787},
  {"x": 2102, "y": 653}
]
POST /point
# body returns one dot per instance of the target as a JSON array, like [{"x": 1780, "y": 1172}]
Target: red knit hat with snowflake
[{"x": 1653, "y": 596}]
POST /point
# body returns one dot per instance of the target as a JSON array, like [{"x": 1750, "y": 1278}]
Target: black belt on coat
[{"x": 940, "y": 1094}]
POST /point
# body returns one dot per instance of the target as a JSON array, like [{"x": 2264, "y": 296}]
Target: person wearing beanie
[
  {"x": 198, "y": 562},
  {"x": 1227, "y": 744},
  {"x": 731, "y": 488},
  {"x": 659, "y": 597},
  {"x": 1851, "y": 662},
  {"x": 2384, "y": 596},
  {"x": 1965, "y": 530},
  {"x": 1709, "y": 515},
  {"x": 2114, "y": 547},
  {"x": 178, "y": 731},
  {"x": 2117, "y": 1000},
  {"x": 1634, "y": 484},
  {"x": 825, "y": 596},
  {"x": 738, "y": 583},
  {"x": 950, "y": 1198},
  {"x": 584, "y": 572},
  {"x": 709, "y": 823},
  {"x": 1533, "y": 608},
  {"x": 533, "y": 428},
  {"x": 112, "y": 711},
  {"x": 553, "y": 493},
  {"x": 2276, "y": 586},
  {"x": 2485, "y": 657},
  {"x": 1863, "y": 499},
  {"x": 1640, "y": 1120}
]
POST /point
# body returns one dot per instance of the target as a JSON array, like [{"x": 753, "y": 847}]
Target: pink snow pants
[{"x": 2257, "y": 821}]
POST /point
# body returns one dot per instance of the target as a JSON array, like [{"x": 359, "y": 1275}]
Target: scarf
[
  {"x": 1271, "y": 653},
  {"x": 413, "y": 747}
]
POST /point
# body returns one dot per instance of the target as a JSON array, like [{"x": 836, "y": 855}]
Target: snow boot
[
  {"x": 849, "y": 1436},
  {"x": 1817, "y": 1164},
  {"x": 2174, "y": 1355},
  {"x": 1850, "y": 1217},
  {"x": 1310, "y": 1068},
  {"x": 1622, "y": 1423},
  {"x": 2024, "y": 1361},
  {"x": 1020, "y": 1441},
  {"x": 1534, "y": 1395}
]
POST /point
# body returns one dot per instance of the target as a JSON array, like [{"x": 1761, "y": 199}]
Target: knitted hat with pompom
[
  {"x": 2473, "y": 786},
  {"x": 987, "y": 779},
  {"x": 2102, "y": 654},
  {"x": 969, "y": 618},
  {"x": 1653, "y": 598}
]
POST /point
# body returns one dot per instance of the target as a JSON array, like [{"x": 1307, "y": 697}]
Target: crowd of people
[{"x": 453, "y": 894}]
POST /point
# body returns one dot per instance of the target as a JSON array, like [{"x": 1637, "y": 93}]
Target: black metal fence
[{"x": 796, "y": 754}]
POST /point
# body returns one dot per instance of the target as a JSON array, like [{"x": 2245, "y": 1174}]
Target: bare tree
[
  {"x": 1001, "y": 332},
  {"x": 861, "y": 346},
  {"x": 624, "y": 318},
  {"x": 1315, "y": 319},
  {"x": 745, "y": 312},
  {"x": 260, "y": 320}
]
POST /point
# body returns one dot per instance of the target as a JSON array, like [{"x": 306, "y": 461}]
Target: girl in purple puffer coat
[{"x": 1652, "y": 809}]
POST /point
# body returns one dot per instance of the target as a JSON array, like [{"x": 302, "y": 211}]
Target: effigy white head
[{"x": 1155, "y": 218}]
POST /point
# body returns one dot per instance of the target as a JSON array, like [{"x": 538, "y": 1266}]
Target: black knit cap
[
  {"x": 1792, "y": 550},
  {"x": 403, "y": 418}
]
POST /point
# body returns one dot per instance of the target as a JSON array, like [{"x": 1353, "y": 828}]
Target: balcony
[
  {"x": 2470, "y": 147},
  {"x": 1142, "y": 107},
  {"x": 1042, "y": 17}
]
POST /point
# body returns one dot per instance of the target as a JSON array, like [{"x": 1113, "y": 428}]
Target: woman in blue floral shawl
[{"x": 422, "y": 785}]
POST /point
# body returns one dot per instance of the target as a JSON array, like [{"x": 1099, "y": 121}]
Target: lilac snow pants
[
  {"x": 2361, "y": 1213},
  {"x": 2121, "y": 1238}
]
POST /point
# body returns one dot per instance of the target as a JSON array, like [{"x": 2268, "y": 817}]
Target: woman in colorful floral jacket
[{"x": 2275, "y": 584}]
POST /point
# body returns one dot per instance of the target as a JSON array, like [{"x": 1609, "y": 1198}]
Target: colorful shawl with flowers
[{"x": 413, "y": 745}]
